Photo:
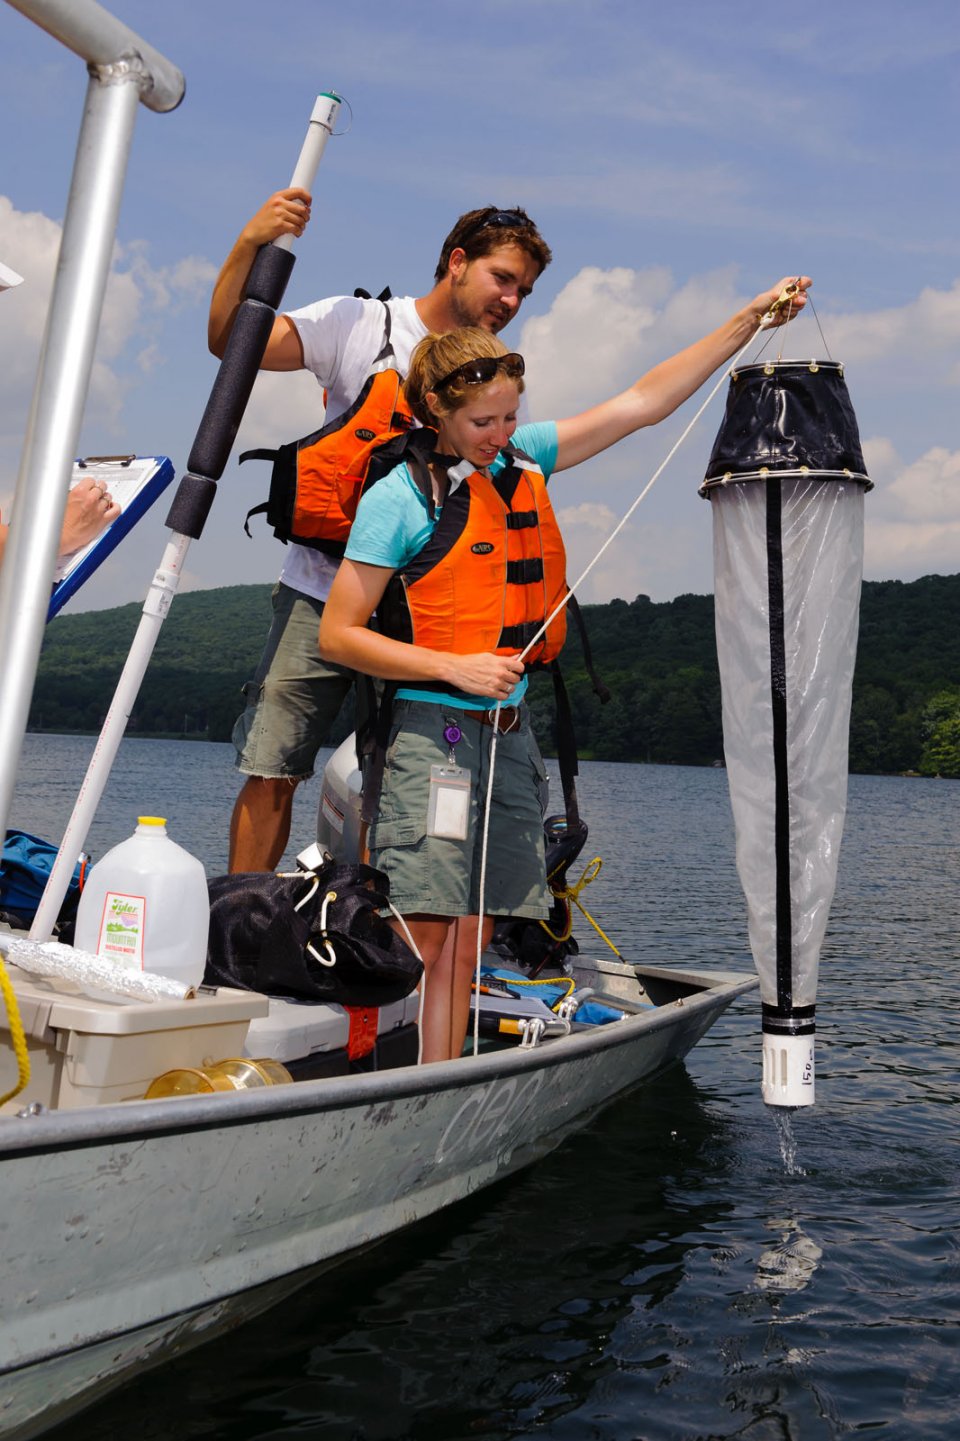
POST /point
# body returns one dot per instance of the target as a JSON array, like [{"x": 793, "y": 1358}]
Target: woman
[{"x": 458, "y": 551}]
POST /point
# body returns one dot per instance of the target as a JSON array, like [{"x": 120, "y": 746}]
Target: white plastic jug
[{"x": 145, "y": 906}]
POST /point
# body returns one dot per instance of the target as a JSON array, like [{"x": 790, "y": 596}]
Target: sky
[{"x": 678, "y": 159}]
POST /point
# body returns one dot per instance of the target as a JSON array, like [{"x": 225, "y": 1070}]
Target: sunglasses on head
[
  {"x": 505, "y": 219},
  {"x": 482, "y": 370}
]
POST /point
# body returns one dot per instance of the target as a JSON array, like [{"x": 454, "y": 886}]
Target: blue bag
[
  {"x": 25, "y": 867},
  {"x": 551, "y": 992}
]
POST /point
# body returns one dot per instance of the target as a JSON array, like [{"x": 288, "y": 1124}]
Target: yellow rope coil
[
  {"x": 566, "y": 981},
  {"x": 571, "y": 894},
  {"x": 16, "y": 1035}
]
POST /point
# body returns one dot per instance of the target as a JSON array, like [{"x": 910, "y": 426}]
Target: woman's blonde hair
[{"x": 437, "y": 356}]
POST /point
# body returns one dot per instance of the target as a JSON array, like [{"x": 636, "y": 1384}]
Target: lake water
[{"x": 686, "y": 1270}]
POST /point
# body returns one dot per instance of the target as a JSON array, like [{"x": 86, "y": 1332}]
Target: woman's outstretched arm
[{"x": 659, "y": 393}]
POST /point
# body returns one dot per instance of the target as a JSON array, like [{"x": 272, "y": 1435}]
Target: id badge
[{"x": 448, "y": 812}]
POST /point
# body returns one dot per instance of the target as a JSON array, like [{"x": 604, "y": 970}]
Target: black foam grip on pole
[
  {"x": 231, "y": 390},
  {"x": 191, "y": 505},
  {"x": 269, "y": 274}
]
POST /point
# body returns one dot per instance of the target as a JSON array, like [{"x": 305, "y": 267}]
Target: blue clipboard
[{"x": 134, "y": 481}]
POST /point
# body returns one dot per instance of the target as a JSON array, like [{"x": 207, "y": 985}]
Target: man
[{"x": 488, "y": 266}]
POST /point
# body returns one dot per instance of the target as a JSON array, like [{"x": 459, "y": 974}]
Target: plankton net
[{"x": 786, "y": 482}]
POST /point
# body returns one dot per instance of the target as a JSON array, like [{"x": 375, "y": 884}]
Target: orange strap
[{"x": 364, "y": 1021}]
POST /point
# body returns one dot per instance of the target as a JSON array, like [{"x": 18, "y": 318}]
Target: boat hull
[{"x": 153, "y": 1225}]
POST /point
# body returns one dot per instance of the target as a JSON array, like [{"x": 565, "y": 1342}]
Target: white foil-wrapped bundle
[
  {"x": 786, "y": 482},
  {"x": 95, "y": 975}
]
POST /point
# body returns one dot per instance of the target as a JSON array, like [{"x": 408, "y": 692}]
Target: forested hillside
[{"x": 658, "y": 660}]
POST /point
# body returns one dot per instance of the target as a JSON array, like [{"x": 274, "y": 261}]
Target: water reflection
[
  {"x": 789, "y": 1265},
  {"x": 661, "y": 1277},
  {"x": 482, "y": 1322}
]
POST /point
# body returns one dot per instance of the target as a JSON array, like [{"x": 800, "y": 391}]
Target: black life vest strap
[
  {"x": 518, "y": 637},
  {"x": 374, "y": 719},
  {"x": 257, "y": 509},
  {"x": 599, "y": 689},
  {"x": 522, "y": 519},
  {"x": 525, "y": 572},
  {"x": 566, "y": 741},
  {"x": 386, "y": 349}
]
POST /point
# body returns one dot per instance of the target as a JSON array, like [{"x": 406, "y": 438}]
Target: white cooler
[{"x": 314, "y": 1040}]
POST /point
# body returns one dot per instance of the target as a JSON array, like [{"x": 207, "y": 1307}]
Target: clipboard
[{"x": 135, "y": 482}]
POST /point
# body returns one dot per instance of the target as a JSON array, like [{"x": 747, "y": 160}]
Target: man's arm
[{"x": 285, "y": 213}]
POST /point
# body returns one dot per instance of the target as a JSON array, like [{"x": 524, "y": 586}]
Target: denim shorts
[
  {"x": 293, "y": 700},
  {"x": 432, "y": 875}
]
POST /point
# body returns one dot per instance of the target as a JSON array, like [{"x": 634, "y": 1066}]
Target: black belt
[{"x": 506, "y": 719}]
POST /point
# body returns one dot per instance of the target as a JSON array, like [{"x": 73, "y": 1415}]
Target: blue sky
[{"x": 678, "y": 159}]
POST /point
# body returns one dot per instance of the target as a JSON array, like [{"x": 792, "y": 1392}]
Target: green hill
[
  {"x": 658, "y": 660},
  {"x": 208, "y": 646}
]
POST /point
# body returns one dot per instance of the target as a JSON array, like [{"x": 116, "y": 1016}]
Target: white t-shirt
[{"x": 341, "y": 338}]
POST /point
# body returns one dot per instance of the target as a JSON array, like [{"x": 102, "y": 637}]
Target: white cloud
[
  {"x": 882, "y": 460},
  {"x": 186, "y": 281},
  {"x": 646, "y": 558},
  {"x": 283, "y": 406},
  {"x": 924, "y": 327},
  {"x": 929, "y": 488},
  {"x": 607, "y": 327},
  {"x": 913, "y": 515},
  {"x": 129, "y": 347}
]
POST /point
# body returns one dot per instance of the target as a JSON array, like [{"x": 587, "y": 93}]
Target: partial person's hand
[
  {"x": 285, "y": 213},
  {"x": 485, "y": 674},
  {"x": 90, "y": 509},
  {"x": 782, "y": 302}
]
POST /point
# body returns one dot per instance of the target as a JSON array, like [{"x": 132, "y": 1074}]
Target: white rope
[
  {"x": 307, "y": 895},
  {"x": 423, "y": 978},
  {"x": 483, "y": 877}
]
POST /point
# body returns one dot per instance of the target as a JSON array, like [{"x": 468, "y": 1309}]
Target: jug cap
[{"x": 151, "y": 820}]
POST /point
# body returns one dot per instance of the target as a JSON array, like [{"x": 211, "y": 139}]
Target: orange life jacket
[
  {"x": 316, "y": 481},
  {"x": 491, "y": 573}
]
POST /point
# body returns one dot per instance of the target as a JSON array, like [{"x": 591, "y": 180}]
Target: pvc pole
[
  {"x": 156, "y": 606},
  {"x": 322, "y": 121},
  {"x": 56, "y": 411}
]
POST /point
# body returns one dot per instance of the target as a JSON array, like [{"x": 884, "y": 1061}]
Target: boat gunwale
[{"x": 120, "y": 1121}]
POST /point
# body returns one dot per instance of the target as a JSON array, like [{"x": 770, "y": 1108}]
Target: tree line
[{"x": 657, "y": 660}]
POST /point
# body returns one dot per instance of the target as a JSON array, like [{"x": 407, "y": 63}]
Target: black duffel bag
[{"x": 312, "y": 935}]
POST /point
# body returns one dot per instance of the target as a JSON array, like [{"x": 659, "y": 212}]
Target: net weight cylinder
[{"x": 786, "y": 482}]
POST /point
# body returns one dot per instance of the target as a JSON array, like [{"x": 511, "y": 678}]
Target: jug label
[{"x": 121, "y": 930}]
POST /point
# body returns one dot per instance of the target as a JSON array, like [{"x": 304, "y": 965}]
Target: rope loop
[
  {"x": 17, "y": 1036},
  {"x": 570, "y": 895}
]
